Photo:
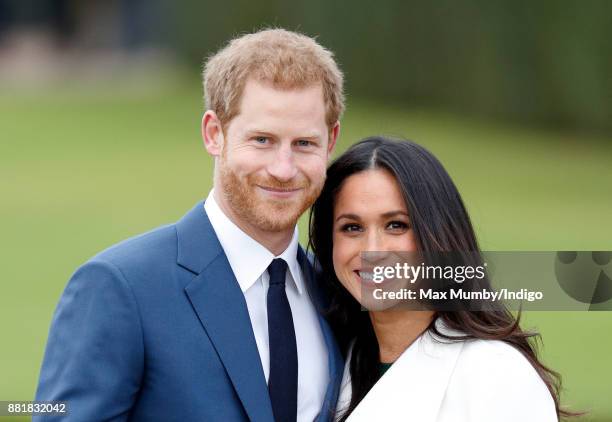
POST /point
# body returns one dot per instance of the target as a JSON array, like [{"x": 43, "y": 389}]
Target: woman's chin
[{"x": 373, "y": 304}]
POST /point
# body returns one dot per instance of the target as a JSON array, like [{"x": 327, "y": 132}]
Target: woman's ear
[{"x": 212, "y": 133}]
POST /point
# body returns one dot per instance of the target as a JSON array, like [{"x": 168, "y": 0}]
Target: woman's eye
[
  {"x": 349, "y": 228},
  {"x": 397, "y": 225}
]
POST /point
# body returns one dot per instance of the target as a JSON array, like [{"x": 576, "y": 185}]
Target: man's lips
[{"x": 280, "y": 192}]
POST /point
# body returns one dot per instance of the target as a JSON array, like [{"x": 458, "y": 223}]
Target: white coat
[{"x": 436, "y": 380}]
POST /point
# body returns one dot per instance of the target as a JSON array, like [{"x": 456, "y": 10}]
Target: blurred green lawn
[{"x": 82, "y": 168}]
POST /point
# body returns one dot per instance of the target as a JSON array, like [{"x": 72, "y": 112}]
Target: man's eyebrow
[
  {"x": 310, "y": 136},
  {"x": 257, "y": 132},
  {"x": 261, "y": 132}
]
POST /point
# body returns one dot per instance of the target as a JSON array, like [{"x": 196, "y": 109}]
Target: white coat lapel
[{"x": 414, "y": 387}]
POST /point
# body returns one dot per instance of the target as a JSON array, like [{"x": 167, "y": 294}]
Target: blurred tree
[
  {"x": 539, "y": 62},
  {"x": 545, "y": 62}
]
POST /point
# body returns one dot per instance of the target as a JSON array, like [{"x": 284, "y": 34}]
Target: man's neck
[{"x": 274, "y": 241}]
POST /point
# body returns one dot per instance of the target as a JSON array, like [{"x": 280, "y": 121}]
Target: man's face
[{"x": 274, "y": 155}]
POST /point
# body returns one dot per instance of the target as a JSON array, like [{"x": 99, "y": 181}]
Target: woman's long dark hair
[{"x": 441, "y": 224}]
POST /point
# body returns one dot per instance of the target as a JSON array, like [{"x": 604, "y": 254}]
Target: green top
[{"x": 383, "y": 367}]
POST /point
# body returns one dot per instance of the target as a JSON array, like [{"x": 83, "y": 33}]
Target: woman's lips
[{"x": 366, "y": 277}]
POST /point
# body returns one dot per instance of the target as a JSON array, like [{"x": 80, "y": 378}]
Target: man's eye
[
  {"x": 304, "y": 143},
  {"x": 261, "y": 140},
  {"x": 350, "y": 228}
]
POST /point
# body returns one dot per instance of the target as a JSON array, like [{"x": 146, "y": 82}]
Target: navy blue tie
[{"x": 283, "y": 379}]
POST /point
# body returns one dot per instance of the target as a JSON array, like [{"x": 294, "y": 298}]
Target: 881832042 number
[{"x": 33, "y": 408}]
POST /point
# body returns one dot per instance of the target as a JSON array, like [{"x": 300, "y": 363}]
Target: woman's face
[{"x": 370, "y": 215}]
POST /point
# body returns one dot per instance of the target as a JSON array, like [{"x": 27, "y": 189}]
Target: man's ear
[
  {"x": 333, "y": 136},
  {"x": 212, "y": 133}
]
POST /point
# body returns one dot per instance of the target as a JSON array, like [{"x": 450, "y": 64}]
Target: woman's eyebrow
[
  {"x": 394, "y": 213},
  {"x": 349, "y": 216},
  {"x": 388, "y": 214}
]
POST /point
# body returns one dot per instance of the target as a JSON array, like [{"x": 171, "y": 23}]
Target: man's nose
[{"x": 283, "y": 166}]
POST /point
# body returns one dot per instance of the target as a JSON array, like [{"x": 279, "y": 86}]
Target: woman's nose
[
  {"x": 375, "y": 243},
  {"x": 380, "y": 249}
]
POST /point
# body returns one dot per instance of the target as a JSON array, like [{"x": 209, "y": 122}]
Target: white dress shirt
[{"x": 249, "y": 261}]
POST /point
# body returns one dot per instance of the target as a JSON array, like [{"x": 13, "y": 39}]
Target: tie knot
[{"x": 277, "y": 270}]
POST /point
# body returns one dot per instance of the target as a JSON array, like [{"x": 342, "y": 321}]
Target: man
[{"x": 216, "y": 317}]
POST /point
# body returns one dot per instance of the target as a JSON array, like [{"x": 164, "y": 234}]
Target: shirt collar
[{"x": 248, "y": 258}]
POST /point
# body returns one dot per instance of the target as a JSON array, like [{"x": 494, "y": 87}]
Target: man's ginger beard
[{"x": 272, "y": 215}]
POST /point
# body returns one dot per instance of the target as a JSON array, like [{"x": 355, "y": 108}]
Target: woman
[{"x": 386, "y": 195}]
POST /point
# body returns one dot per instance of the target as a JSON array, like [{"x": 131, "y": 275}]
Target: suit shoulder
[{"x": 146, "y": 249}]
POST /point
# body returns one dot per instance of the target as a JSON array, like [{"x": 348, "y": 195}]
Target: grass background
[{"x": 82, "y": 168}]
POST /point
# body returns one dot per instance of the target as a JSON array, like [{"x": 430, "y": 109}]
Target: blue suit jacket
[{"x": 156, "y": 328}]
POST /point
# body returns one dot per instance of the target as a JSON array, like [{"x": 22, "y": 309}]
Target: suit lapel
[
  {"x": 414, "y": 387},
  {"x": 221, "y": 308},
  {"x": 334, "y": 357},
  {"x": 335, "y": 373}
]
